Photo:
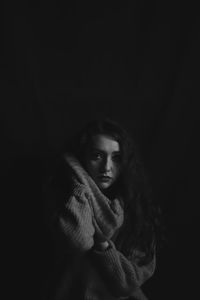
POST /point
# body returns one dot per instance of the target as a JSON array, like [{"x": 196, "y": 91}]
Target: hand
[
  {"x": 98, "y": 235},
  {"x": 100, "y": 242},
  {"x": 102, "y": 246}
]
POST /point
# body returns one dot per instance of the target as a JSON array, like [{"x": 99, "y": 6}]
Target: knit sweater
[{"x": 100, "y": 275}]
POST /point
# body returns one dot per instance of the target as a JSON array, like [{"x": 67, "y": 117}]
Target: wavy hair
[{"x": 141, "y": 225}]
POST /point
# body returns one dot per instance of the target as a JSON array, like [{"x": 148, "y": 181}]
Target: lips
[{"x": 104, "y": 178}]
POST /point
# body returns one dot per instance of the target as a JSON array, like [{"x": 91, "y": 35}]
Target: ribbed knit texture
[
  {"x": 107, "y": 215},
  {"x": 109, "y": 274}
]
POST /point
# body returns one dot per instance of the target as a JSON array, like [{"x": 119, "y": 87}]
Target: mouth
[{"x": 104, "y": 178}]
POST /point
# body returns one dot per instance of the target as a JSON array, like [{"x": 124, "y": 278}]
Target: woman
[{"x": 102, "y": 218}]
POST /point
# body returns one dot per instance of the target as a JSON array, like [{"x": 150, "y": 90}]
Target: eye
[
  {"x": 117, "y": 158},
  {"x": 96, "y": 156}
]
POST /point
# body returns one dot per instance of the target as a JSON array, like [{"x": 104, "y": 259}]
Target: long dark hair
[{"x": 141, "y": 226}]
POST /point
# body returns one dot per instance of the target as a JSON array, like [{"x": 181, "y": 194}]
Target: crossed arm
[{"x": 123, "y": 274}]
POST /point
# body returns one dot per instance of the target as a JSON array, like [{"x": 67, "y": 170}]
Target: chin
[{"x": 103, "y": 186}]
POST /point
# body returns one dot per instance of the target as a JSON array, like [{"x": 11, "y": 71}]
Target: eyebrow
[{"x": 102, "y": 151}]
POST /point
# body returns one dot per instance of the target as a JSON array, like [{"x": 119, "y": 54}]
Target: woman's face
[{"x": 103, "y": 160}]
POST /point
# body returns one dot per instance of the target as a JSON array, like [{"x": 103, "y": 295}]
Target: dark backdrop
[{"x": 63, "y": 65}]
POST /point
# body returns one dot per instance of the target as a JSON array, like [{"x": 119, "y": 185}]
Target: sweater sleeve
[
  {"x": 75, "y": 222},
  {"x": 123, "y": 275}
]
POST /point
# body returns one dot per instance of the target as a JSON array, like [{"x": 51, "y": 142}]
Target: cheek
[
  {"x": 92, "y": 167},
  {"x": 117, "y": 171}
]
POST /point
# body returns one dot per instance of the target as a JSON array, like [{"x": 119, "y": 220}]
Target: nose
[{"x": 107, "y": 165}]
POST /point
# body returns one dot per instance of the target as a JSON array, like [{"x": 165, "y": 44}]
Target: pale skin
[{"x": 103, "y": 163}]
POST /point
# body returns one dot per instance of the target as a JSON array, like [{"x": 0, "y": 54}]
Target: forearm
[
  {"x": 122, "y": 275},
  {"x": 75, "y": 224}
]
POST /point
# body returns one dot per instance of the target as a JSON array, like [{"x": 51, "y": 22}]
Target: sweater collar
[{"x": 105, "y": 211}]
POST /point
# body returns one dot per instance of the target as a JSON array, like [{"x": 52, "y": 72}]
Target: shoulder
[{"x": 80, "y": 192}]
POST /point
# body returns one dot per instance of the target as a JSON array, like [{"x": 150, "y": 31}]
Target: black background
[{"x": 64, "y": 64}]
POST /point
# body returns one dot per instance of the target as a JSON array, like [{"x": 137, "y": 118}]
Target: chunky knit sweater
[{"x": 98, "y": 275}]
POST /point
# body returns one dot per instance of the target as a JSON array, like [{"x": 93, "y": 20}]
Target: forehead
[{"x": 105, "y": 143}]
